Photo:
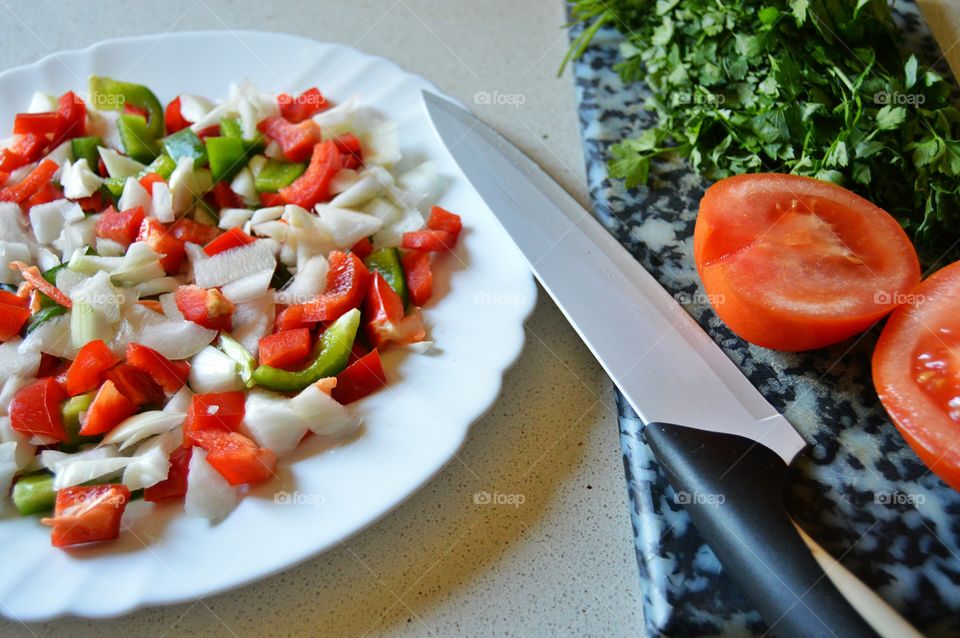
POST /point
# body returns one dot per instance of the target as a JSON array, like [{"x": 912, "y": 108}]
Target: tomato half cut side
[
  {"x": 794, "y": 263},
  {"x": 916, "y": 372}
]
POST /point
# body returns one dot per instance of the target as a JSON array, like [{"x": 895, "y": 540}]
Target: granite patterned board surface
[{"x": 858, "y": 490}]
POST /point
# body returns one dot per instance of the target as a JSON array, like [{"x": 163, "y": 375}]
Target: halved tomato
[
  {"x": 794, "y": 263},
  {"x": 916, "y": 371}
]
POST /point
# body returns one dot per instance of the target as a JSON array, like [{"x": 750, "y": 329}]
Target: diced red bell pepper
[
  {"x": 268, "y": 200},
  {"x": 235, "y": 457},
  {"x": 364, "y": 376},
  {"x": 87, "y": 514},
  {"x": 30, "y": 184},
  {"x": 164, "y": 243},
  {"x": 362, "y": 248},
  {"x": 50, "y": 366},
  {"x": 72, "y": 118},
  {"x": 12, "y": 318},
  {"x": 13, "y": 299},
  {"x": 206, "y": 307},
  {"x": 133, "y": 109},
  {"x": 416, "y": 269},
  {"x": 224, "y": 197},
  {"x": 175, "y": 485},
  {"x": 188, "y": 230},
  {"x": 25, "y": 149},
  {"x": 108, "y": 409},
  {"x": 41, "y": 124},
  {"x": 285, "y": 349},
  {"x": 296, "y": 140},
  {"x": 305, "y": 105},
  {"x": 173, "y": 117},
  {"x": 442, "y": 219},
  {"x": 120, "y": 226},
  {"x": 148, "y": 180},
  {"x": 213, "y": 411},
  {"x": 233, "y": 238},
  {"x": 314, "y": 185},
  {"x": 433, "y": 241},
  {"x": 35, "y": 409},
  {"x": 47, "y": 193},
  {"x": 86, "y": 371},
  {"x": 383, "y": 312},
  {"x": 347, "y": 282},
  {"x": 92, "y": 204},
  {"x": 31, "y": 275},
  {"x": 171, "y": 375},
  {"x": 210, "y": 131},
  {"x": 351, "y": 150},
  {"x": 136, "y": 385}
]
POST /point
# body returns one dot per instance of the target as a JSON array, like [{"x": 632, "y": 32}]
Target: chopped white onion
[
  {"x": 234, "y": 218},
  {"x": 347, "y": 227},
  {"x": 310, "y": 281},
  {"x": 209, "y": 495},
  {"x": 213, "y": 371},
  {"x": 322, "y": 414},
  {"x": 78, "y": 180},
  {"x": 162, "y": 202},
  {"x": 119, "y": 166},
  {"x": 140, "y": 426},
  {"x": 176, "y": 339},
  {"x": 270, "y": 421},
  {"x": 248, "y": 288},
  {"x": 233, "y": 264}
]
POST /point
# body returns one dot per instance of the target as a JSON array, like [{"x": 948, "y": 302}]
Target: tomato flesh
[{"x": 794, "y": 263}]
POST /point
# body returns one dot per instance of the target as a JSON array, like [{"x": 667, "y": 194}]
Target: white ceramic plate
[{"x": 482, "y": 294}]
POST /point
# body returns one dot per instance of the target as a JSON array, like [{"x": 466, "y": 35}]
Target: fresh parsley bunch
[{"x": 812, "y": 87}]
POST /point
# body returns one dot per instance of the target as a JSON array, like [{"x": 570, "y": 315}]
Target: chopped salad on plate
[{"x": 189, "y": 291}]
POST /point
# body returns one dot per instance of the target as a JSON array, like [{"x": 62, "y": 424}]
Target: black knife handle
[{"x": 731, "y": 486}]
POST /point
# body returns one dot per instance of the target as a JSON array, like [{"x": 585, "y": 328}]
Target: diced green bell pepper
[
  {"x": 230, "y": 127},
  {"x": 162, "y": 166},
  {"x": 185, "y": 143},
  {"x": 86, "y": 148},
  {"x": 114, "y": 186},
  {"x": 334, "y": 348},
  {"x": 107, "y": 94},
  {"x": 44, "y": 315},
  {"x": 70, "y": 411},
  {"x": 386, "y": 261},
  {"x": 34, "y": 493},
  {"x": 276, "y": 175},
  {"x": 227, "y": 156},
  {"x": 136, "y": 138}
]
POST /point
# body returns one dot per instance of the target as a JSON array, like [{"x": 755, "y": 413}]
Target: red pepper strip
[
  {"x": 86, "y": 371},
  {"x": 30, "y": 184},
  {"x": 72, "y": 115},
  {"x": 175, "y": 485},
  {"x": 171, "y": 375},
  {"x": 347, "y": 282},
  {"x": 36, "y": 123},
  {"x": 224, "y": 197},
  {"x": 431, "y": 241},
  {"x": 233, "y": 238},
  {"x": 362, "y": 248},
  {"x": 442, "y": 219},
  {"x": 285, "y": 349},
  {"x": 108, "y": 409},
  {"x": 136, "y": 385},
  {"x": 174, "y": 118},
  {"x": 47, "y": 193},
  {"x": 205, "y": 307},
  {"x": 314, "y": 185},
  {"x": 35, "y": 409},
  {"x": 235, "y": 457},
  {"x": 305, "y": 105},
  {"x": 383, "y": 312},
  {"x": 268, "y": 200},
  {"x": 416, "y": 268},
  {"x": 296, "y": 140},
  {"x": 210, "y": 131},
  {"x": 121, "y": 227},
  {"x": 12, "y": 319},
  {"x": 31, "y": 274},
  {"x": 148, "y": 180},
  {"x": 163, "y": 243},
  {"x": 13, "y": 299},
  {"x": 361, "y": 378},
  {"x": 25, "y": 149},
  {"x": 187, "y": 230},
  {"x": 91, "y": 204},
  {"x": 213, "y": 411},
  {"x": 87, "y": 514},
  {"x": 351, "y": 150}
]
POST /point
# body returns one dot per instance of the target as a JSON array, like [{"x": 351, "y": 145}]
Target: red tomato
[
  {"x": 108, "y": 409},
  {"x": 917, "y": 373},
  {"x": 86, "y": 371},
  {"x": 233, "y": 238},
  {"x": 793, "y": 263},
  {"x": 173, "y": 118},
  {"x": 383, "y": 312},
  {"x": 296, "y": 140},
  {"x": 235, "y": 457},
  {"x": 25, "y": 188},
  {"x": 175, "y": 485},
  {"x": 362, "y": 377},
  {"x": 305, "y": 105},
  {"x": 419, "y": 276},
  {"x": 171, "y": 375},
  {"x": 12, "y": 318},
  {"x": 347, "y": 281},
  {"x": 314, "y": 185},
  {"x": 285, "y": 349},
  {"x": 214, "y": 411},
  {"x": 120, "y": 226},
  {"x": 35, "y": 409},
  {"x": 72, "y": 118},
  {"x": 163, "y": 243},
  {"x": 87, "y": 513},
  {"x": 206, "y": 307}
]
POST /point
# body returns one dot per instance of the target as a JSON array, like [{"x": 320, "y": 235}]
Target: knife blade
[{"x": 713, "y": 432}]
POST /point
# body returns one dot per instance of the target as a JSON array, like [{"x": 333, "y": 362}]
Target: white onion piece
[
  {"x": 269, "y": 420},
  {"x": 52, "y": 337},
  {"x": 209, "y": 495},
  {"x": 103, "y": 124},
  {"x": 11, "y": 251},
  {"x": 411, "y": 219},
  {"x": 101, "y": 295},
  {"x": 344, "y": 179},
  {"x": 157, "y": 286},
  {"x": 383, "y": 210},
  {"x": 194, "y": 107},
  {"x": 249, "y": 288},
  {"x": 243, "y": 184},
  {"x": 41, "y": 102},
  {"x": 162, "y": 202},
  {"x": 176, "y": 339},
  {"x": 119, "y": 166},
  {"x": 252, "y": 321},
  {"x": 139, "y": 426},
  {"x": 24, "y": 451},
  {"x": 18, "y": 358},
  {"x": 168, "y": 302},
  {"x": 233, "y": 264},
  {"x": 233, "y": 218},
  {"x": 78, "y": 180},
  {"x": 310, "y": 281},
  {"x": 381, "y": 143},
  {"x": 151, "y": 461},
  {"x": 47, "y": 220},
  {"x": 134, "y": 195},
  {"x": 322, "y": 414},
  {"x": 346, "y": 227},
  {"x": 108, "y": 248},
  {"x": 365, "y": 189},
  {"x": 180, "y": 402},
  {"x": 8, "y": 465},
  {"x": 213, "y": 371}
]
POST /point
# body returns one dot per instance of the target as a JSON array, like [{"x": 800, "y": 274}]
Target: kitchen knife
[{"x": 723, "y": 446}]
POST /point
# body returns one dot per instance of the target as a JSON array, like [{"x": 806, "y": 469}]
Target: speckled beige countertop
[{"x": 562, "y": 562}]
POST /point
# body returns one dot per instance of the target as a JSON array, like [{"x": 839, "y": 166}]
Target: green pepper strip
[
  {"x": 44, "y": 315},
  {"x": 86, "y": 148},
  {"x": 386, "y": 261},
  {"x": 34, "y": 493},
  {"x": 136, "y": 138},
  {"x": 185, "y": 143},
  {"x": 227, "y": 156},
  {"x": 230, "y": 127},
  {"x": 276, "y": 174},
  {"x": 70, "y": 411},
  {"x": 334, "y": 351},
  {"x": 107, "y": 94},
  {"x": 162, "y": 166}
]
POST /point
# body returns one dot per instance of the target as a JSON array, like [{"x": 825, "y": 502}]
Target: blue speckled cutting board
[{"x": 859, "y": 490}]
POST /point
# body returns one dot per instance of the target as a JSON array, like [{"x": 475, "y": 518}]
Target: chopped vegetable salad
[{"x": 188, "y": 291}]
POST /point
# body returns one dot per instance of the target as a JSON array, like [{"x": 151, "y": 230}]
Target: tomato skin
[
  {"x": 205, "y": 307},
  {"x": 793, "y": 263},
  {"x": 120, "y": 226},
  {"x": 86, "y": 371},
  {"x": 108, "y": 409},
  {"x": 175, "y": 485},
  {"x": 171, "y": 375},
  {"x": 87, "y": 514},
  {"x": 35, "y": 409},
  {"x": 930, "y": 316},
  {"x": 235, "y": 457}
]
